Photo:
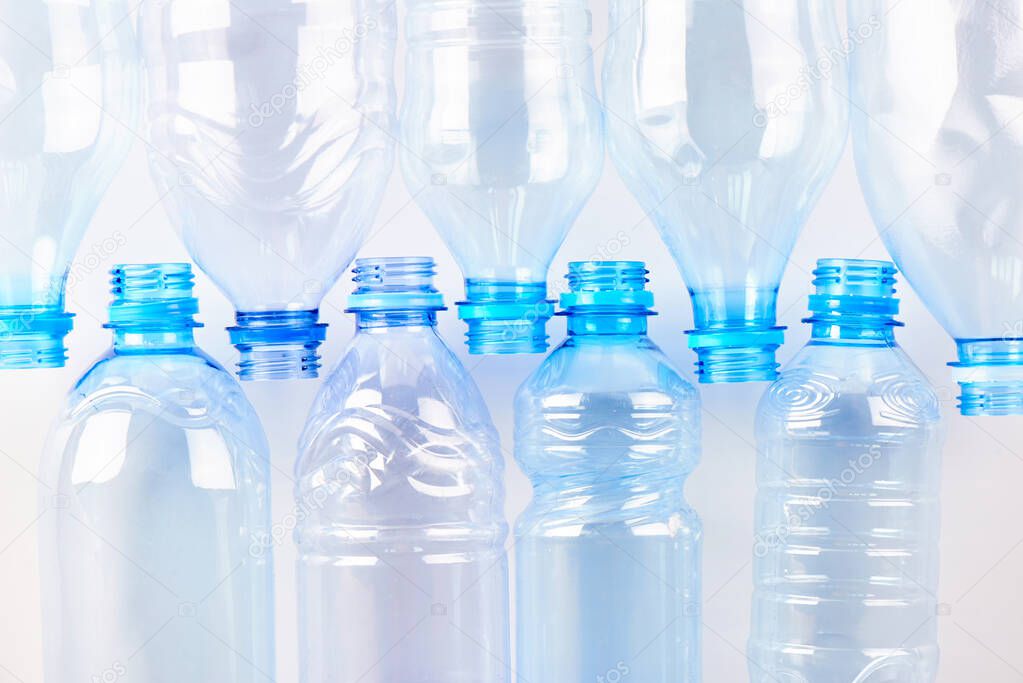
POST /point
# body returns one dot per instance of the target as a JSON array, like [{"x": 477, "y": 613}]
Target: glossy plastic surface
[
  {"x": 68, "y": 84},
  {"x": 939, "y": 147},
  {"x": 725, "y": 122},
  {"x": 402, "y": 572},
  {"x": 608, "y": 551},
  {"x": 272, "y": 130},
  {"x": 846, "y": 548},
  {"x": 155, "y": 555},
  {"x": 502, "y": 146}
]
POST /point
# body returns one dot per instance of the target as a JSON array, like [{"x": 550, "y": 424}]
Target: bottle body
[
  {"x": 608, "y": 551},
  {"x": 70, "y": 82},
  {"x": 939, "y": 159},
  {"x": 502, "y": 146},
  {"x": 726, "y": 129},
  {"x": 272, "y": 134},
  {"x": 402, "y": 572},
  {"x": 157, "y": 497},
  {"x": 846, "y": 554}
]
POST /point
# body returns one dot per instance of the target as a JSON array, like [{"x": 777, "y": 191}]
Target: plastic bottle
[
  {"x": 608, "y": 551},
  {"x": 846, "y": 557},
  {"x": 67, "y": 103},
  {"x": 939, "y": 150},
  {"x": 502, "y": 146},
  {"x": 725, "y": 120},
  {"x": 156, "y": 506},
  {"x": 402, "y": 572},
  {"x": 272, "y": 131}
]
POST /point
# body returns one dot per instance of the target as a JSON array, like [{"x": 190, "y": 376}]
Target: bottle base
[
  {"x": 506, "y": 318},
  {"x": 736, "y": 355},
  {"x": 278, "y": 345},
  {"x": 33, "y": 338}
]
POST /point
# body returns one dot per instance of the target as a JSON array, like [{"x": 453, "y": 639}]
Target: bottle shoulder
[{"x": 833, "y": 387}]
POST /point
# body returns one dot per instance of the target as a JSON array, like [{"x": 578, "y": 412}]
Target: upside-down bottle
[
  {"x": 68, "y": 88},
  {"x": 156, "y": 506},
  {"x": 272, "y": 125},
  {"x": 608, "y": 551},
  {"x": 502, "y": 146},
  {"x": 845, "y": 565},
  {"x": 402, "y": 573},
  {"x": 939, "y": 147},
  {"x": 725, "y": 122}
]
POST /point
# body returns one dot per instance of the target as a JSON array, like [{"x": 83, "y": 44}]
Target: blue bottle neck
[
  {"x": 378, "y": 320},
  {"x": 591, "y": 323}
]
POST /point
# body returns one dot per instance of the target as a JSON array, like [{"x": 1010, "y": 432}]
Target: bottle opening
[
  {"x": 506, "y": 317},
  {"x": 32, "y": 337},
  {"x": 395, "y": 284},
  {"x": 855, "y": 299},
  {"x": 990, "y": 376},
  {"x": 276, "y": 345},
  {"x": 153, "y": 296},
  {"x": 736, "y": 335}
]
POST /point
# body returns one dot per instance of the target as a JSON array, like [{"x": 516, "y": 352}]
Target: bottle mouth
[
  {"x": 32, "y": 337},
  {"x": 152, "y": 296},
  {"x": 278, "y": 345},
  {"x": 990, "y": 377},
  {"x": 736, "y": 355},
  {"x": 395, "y": 284},
  {"x": 506, "y": 317}
]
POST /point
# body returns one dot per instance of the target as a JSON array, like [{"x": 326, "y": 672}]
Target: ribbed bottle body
[
  {"x": 402, "y": 573},
  {"x": 608, "y": 551},
  {"x": 847, "y": 516},
  {"x": 157, "y": 514}
]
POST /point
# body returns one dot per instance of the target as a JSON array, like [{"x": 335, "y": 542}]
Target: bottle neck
[
  {"x": 381, "y": 320},
  {"x": 582, "y": 323},
  {"x": 170, "y": 339},
  {"x": 854, "y": 330}
]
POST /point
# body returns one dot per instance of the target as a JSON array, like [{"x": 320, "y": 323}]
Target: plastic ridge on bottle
[{"x": 608, "y": 550}]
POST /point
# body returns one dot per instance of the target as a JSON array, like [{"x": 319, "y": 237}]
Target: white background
[{"x": 980, "y": 619}]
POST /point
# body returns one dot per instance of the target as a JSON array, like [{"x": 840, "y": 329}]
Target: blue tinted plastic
[
  {"x": 67, "y": 103},
  {"x": 940, "y": 157},
  {"x": 402, "y": 574},
  {"x": 156, "y": 553},
  {"x": 608, "y": 551},
  {"x": 502, "y": 146},
  {"x": 846, "y": 550},
  {"x": 272, "y": 130},
  {"x": 725, "y": 122}
]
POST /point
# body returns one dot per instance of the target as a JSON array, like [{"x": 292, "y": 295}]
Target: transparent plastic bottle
[
  {"x": 402, "y": 572},
  {"x": 846, "y": 557},
  {"x": 272, "y": 130},
  {"x": 155, "y": 506},
  {"x": 68, "y": 88},
  {"x": 725, "y": 120},
  {"x": 939, "y": 148},
  {"x": 608, "y": 551},
  {"x": 502, "y": 146}
]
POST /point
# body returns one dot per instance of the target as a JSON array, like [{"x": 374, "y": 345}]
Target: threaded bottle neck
[
  {"x": 607, "y": 298},
  {"x": 395, "y": 292},
  {"x": 855, "y": 301},
  {"x": 153, "y": 307}
]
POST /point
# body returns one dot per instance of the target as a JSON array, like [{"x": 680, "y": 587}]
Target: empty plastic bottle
[
  {"x": 939, "y": 147},
  {"x": 725, "y": 121},
  {"x": 156, "y": 506},
  {"x": 402, "y": 572},
  {"x": 68, "y": 88},
  {"x": 272, "y": 131},
  {"x": 845, "y": 563},
  {"x": 608, "y": 551},
  {"x": 502, "y": 146}
]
